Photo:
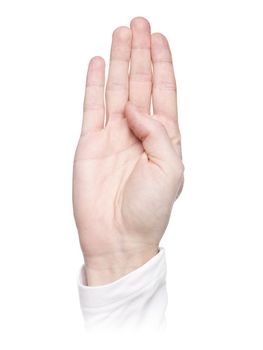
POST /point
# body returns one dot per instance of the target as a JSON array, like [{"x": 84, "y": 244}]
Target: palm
[{"x": 122, "y": 195}]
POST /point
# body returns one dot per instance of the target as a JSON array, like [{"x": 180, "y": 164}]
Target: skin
[{"x": 128, "y": 168}]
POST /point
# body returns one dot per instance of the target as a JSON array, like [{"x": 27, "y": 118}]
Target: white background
[{"x": 214, "y": 241}]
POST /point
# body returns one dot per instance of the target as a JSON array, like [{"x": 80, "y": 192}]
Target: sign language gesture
[{"x": 128, "y": 168}]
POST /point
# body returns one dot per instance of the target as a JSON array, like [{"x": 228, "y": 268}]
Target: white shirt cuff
[{"x": 139, "y": 295}]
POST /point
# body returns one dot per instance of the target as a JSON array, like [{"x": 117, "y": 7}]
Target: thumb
[{"x": 152, "y": 133}]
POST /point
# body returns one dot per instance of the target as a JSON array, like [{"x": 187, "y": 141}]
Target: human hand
[{"x": 128, "y": 173}]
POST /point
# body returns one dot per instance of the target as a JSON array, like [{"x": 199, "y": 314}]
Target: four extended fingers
[{"x": 140, "y": 49}]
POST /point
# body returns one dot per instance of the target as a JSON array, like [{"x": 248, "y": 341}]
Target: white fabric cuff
[{"x": 152, "y": 273}]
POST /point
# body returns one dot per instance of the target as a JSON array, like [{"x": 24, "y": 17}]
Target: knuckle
[
  {"x": 92, "y": 106},
  {"x": 166, "y": 86},
  {"x": 141, "y": 77},
  {"x": 114, "y": 85}
]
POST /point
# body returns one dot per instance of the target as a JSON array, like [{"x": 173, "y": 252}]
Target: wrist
[{"x": 107, "y": 268}]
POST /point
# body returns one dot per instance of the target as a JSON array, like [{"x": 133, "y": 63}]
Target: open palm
[{"x": 128, "y": 171}]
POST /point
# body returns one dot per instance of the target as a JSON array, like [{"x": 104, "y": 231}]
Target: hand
[{"x": 128, "y": 173}]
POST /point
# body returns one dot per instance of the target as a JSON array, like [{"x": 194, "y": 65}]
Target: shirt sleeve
[{"x": 136, "y": 301}]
